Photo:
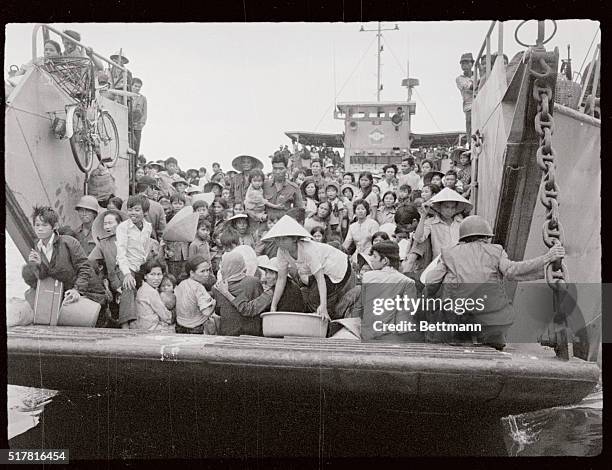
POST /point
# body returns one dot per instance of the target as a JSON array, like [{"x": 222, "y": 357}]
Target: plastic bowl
[{"x": 278, "y": 324}]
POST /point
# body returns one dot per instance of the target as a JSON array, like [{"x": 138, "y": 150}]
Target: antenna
[{"x": 378, "y": 30}]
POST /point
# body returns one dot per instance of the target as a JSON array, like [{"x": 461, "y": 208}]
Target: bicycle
[{"x": 90, "y": 128}]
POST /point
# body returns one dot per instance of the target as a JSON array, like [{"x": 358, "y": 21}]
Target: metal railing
[
  {"x": 47, "y": 28},
  {"x": 486, "y": 47}
]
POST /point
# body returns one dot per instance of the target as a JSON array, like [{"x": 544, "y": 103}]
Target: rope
[
  {"x": 345, "y": 83},
  {"x": 588, "y": 51},
  {"x": 31, "y": 113}
]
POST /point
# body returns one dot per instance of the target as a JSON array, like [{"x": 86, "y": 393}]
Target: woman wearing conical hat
[
  {"x": 443, "y": 228},
  {"x": 324, "y": 273}
]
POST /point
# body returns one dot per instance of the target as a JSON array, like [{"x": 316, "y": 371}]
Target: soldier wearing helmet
[
  {"x": 87, "y": 208},
  {"x": 475, "y": 269}
]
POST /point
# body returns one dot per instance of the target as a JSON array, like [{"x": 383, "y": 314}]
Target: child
[
  {"x": 177, "y": 252},
  {"x": 318, "y": 234},
  {"x": 348, "y": 193},
  {"x": 337, "y": 216},
  {"x": 115, "y": 203},
  {"x": 379, "y": 237},
  {"x": 254, "y": 202},
  {"x": 322, "y": 194},
  {"x": 476, "y": 269},
  {"x": 225, "y": 194},
  {"x": 177, "y": 201},
  {"x": 464, "y": 172},
  {"x": 166, "y": 293},
  {"x": 429, "y": 191},
  {"x": 132, "y": 248},
  {"x": 238, "y": 208},
  {"x": 241, "y": 223},
  {"x": 443, "y": 228},
  {"x": 403, "y": 194},
  {"x": 201, "y": 207},
  {"x": 200, "y": 246}
]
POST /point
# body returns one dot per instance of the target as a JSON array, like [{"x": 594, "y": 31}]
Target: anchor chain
[{"x": 556, "y": 273}]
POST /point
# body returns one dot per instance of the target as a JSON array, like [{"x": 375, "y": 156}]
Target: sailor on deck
[{"x": 465, "y": 83}]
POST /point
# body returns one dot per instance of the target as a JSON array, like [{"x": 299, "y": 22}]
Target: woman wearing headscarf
[{"x": 241, "y": 287}]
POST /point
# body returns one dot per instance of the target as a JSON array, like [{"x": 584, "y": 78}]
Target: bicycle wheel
[
  {"x": 109, "y": 139},
  {"x": 80, "y": 142}
]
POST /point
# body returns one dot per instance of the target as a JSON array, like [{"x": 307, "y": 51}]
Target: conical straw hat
[
  {"x": 206, "y": 197},
  {"x": 97, "y": 229},
  {"x": 448, "y": 194},
  {"x": 286, "y": 227},
  {"x": 183, "y": 226},
  {"x": 267, "y": 263},
  {"x": 255, "y": 162}
]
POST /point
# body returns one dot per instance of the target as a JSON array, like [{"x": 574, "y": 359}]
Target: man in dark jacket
[{"x": 60, "y": 257}]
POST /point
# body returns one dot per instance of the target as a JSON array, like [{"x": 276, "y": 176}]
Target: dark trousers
[
  {"x": 468, "y": 125},
  {"x": 127, "y": 302},
  {"x": 137, "y": 137}
]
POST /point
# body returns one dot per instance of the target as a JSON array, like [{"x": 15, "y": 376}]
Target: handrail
[
  {"x": 486, "y": 47},
  {"x": 71, "y": 39},
  {"x": 47, "y": 28}
]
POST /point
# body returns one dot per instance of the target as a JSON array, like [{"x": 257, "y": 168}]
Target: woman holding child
[
  {"x": 194, "y": 305},
  {"x": 151, "y": 312}
]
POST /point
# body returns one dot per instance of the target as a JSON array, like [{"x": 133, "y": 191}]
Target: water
[{"x": 564, "y": 431}]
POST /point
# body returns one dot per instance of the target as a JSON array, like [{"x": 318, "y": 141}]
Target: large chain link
[
  {"x": 556, "y": 273},
  {"x": 552, "y": 230}
]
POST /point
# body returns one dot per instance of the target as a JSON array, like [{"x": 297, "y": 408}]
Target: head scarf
[{"x": 233, "y": 267}]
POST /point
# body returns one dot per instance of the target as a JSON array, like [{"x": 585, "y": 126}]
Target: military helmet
[
  {"x": 88, "y": 202},
  {"x": 474, "y": 225}
]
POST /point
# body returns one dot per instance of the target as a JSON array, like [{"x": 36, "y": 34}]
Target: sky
[{"x": 218, "y": 90}]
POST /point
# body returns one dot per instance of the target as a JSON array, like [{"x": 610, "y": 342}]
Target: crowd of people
[{"x": 307, "y": 240}]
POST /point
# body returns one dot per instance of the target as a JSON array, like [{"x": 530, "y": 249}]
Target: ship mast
[{"x": 378, "y": 52}]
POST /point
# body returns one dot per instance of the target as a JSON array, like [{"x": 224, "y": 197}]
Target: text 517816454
[{"x": 27, "y": 456}]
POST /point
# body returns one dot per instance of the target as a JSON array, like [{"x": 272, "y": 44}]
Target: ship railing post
[
  {"x": 588, "y": 79},
  {"x": 596, "y": 79},
  {"x": 488, "y": 71}
]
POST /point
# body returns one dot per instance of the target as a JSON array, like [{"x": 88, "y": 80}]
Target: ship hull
[{"x": 417, "y": 377}]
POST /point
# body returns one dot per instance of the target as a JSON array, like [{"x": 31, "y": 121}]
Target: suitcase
[{"x": 48, "y": 301}]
